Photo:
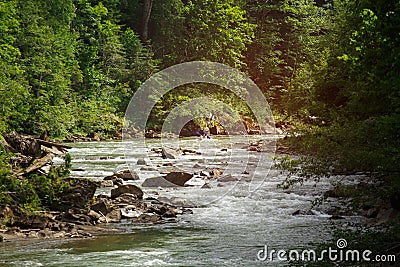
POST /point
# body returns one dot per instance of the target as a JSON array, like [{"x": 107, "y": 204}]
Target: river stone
[
  {"x": 141, "y": 162},
  {"x": 206, "y": 186},
  {"x": 178, "y": 177},
  {"x": 114, "y": 216},
  {"x": 128, "y": 188},
  {"x": 169, "y": 153},
  {"x": 126, "y": 175},
  {"x": 148, "y": 218},
  {"x": 227, "y": 178},
  {"x": 157, "y": 182}
]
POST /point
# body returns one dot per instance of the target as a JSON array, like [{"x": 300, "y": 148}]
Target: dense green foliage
[
  {"x": 330, "y": 67},
  {"x": 353, "y": 92}
]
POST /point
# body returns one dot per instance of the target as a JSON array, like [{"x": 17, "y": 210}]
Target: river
[{"x": 232, "y": 224}]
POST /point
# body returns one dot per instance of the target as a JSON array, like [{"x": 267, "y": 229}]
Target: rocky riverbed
[{"x": 152, "y": 190}]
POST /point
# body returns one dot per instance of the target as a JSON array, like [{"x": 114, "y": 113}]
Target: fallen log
[
  {"x": 38, "y": 163},
  {"x": 51, "y": 144}
]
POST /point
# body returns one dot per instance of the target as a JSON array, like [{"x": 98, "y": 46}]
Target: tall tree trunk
[{"x": 146, "y": 17}]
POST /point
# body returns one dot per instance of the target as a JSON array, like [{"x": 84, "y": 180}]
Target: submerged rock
[
  {"x": 206, "y": 186},
  {"x": 169, "y": 153},
  {"x": 141, "y": 161}
]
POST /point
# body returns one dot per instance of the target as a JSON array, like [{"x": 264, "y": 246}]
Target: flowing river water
[{"x": 230, "y": 226}]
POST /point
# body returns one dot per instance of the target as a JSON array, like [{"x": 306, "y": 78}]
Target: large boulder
[
  {"x": 169, "y": 153},
  {"x": 79, "y": 194},
  {"x": 158, "y": 182},
  {"x": 178, "y": 177},
  {"x": 128, "y": 188}
]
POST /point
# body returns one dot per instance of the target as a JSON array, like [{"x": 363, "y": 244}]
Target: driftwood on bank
[{"x": 32, "y": 154}]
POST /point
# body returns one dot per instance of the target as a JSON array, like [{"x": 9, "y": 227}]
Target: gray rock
[
  {"x": 169, "y": 153},
  {"x": 114, "y": 216},
  {"x": 157, "y": 182},
  {"x": 178, "y": 177},
  {"x": 126, "y": 175},
  {"x": 141, "y": 162},
  {"x": 128, "y": 188}
]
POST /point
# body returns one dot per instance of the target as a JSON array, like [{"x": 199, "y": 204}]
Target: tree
[
  {"x": 146, "y": 17},
  {"x": 13, "y": 86}
]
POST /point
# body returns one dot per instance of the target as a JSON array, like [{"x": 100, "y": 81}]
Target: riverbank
[{"x": 41, "y": 200}]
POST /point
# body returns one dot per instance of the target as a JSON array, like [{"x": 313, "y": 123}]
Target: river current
[{"x": 233, "y": 222}]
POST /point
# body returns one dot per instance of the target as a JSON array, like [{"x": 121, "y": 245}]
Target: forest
[{"x": 330, "y": 70}]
